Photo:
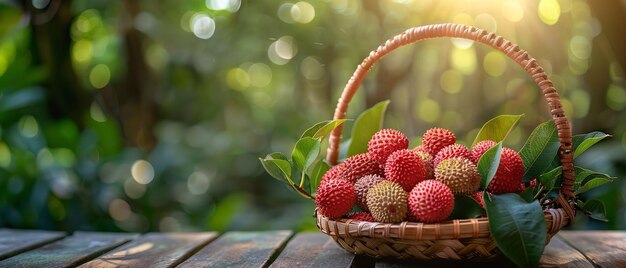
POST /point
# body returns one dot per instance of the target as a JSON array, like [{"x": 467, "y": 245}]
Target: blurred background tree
[{"x": 150, "y": 115}]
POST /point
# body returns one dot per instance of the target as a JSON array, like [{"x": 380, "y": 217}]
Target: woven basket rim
[{"x": 417, "y": 231}]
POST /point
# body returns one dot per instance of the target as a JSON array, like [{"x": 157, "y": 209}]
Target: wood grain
[
  {"x": 240, "y": 249},
  {"x": 560, "y": 254},
  {"x": 603, "y": 248},
  {"x": 154, "y": 250},
  {"x": 71, "y": 251},
  {"x": 13, "y": 242},
  {"x": 313, "y": 250}
]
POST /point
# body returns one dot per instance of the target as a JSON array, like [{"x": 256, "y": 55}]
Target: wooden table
[{"x": 30, "y": 248}]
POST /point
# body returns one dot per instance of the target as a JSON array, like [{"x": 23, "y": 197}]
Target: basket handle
[{"x": 413, "y": 35}]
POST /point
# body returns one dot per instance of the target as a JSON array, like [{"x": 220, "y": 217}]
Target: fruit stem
[
  {"x": 302, "y": 192},
  {"x": 302, "y": 180},
  {"x": 538, "y": 193}
]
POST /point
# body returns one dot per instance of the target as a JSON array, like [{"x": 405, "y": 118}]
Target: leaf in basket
[
  {"x": 488, "y": 165},
  {"x": 549, "y": 178},
  {"x": 593, "y": 183},
  {"x": 594, "y": 209},
  {"x": 305, "y": 152},
  {"x": 322, "y": 129},
  {"x": 585, "y": 176},
  {"x": 366, "y": 126},
  {"x": 584, "y": 141},
  {"x": 518, "y": 227},
  {"x": 316, "y": 174},
  {"x": 539, "y": 150},
  {"x": 527, "y": 194},
  {"x": 277, "y": 167},
  {"x": 465, "y": 207},
  {"x": 497, "y": 128}
]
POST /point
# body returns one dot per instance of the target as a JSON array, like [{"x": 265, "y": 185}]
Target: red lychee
[
  {"x": 509, "y": 174},
  {"x": 405, "y": 168},
  {"x": 334, "y": 173},
  {"x": 359, "y": 165},
  {"x": 436, "y": 139},
  {"x": 335, "y": 198},
  {"x": 361, "y": 216},
  {"x": 431, "y": 201},
  {"x": 385, "y": 142},
  {"x": 450, "y": 151},
  {"x": 480, "y": 148}
]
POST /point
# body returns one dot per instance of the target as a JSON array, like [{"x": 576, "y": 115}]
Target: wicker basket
[{"x": 457, "y": 239}]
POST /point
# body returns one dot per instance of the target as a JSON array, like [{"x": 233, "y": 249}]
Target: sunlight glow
[
  {"x": 494, "y": 63},
  {"x": 512, "y": 10},
  {"x": 549, "y": 11},
  {"x": 202, "y": 26},
  {"x": 5, "y": 155},
  {"x": 142, "y": 171},
  {"x": 119, "y": 210},
  {"x": 302, "y": 12},
  {"x": 100, "y": 76}
]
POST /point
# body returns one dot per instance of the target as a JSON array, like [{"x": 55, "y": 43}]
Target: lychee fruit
[
  {"x": 450, "y": 151},
  {"x": 359, "y": 165},
  {"x": 460, "y": 174},
  {"x": 427, "y": 159},
  {"x": 387, "y": 202},
  {"x": 509, "y": 174},
  {"x": 431, "y": 201},
  {"x": 334, "y": 173},
  {"x": 480, "y": 148},
  {"x": 385, "y": 142},
  {"x": 335, "y": 198},
  {"x": 361, "y": 216},
  {"x": 405, "y": 168},
  {"x": 478, "y": 196},
  {"x": 436, "y": 139},
  {"x": 362, "y": 186},
  {"x": 420, "y": 148}
]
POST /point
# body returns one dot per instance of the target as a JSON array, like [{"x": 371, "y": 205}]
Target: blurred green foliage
[{"x": 144, "y": 115}]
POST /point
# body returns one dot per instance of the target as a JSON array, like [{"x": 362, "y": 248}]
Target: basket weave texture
[{"x": 468, "y": 239}]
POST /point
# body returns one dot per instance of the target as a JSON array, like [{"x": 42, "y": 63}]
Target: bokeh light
[
  {"x": 549, "y": 11},
  {"x": 100, "y": 76},
  {"x": 142, "y": 171},
  {"x": 202, "y": 26}
]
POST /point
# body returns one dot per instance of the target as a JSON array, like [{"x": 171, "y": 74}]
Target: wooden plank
[
  {"x": 154, "y": 250},
  {"x": 313, "y": 250},
  {"x": 240, "y": 249},
  {"x": 71, "y": 251},
  {"x": 13, "y": 242},
  {"x": 560, "y": 254},
  {"x": 603, "y": 248}
]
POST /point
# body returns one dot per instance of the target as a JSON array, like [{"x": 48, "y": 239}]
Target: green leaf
[
  {"x": 584, "y": 176},
  {"x": 518, "y": 227},
  {"x": 595, "y": 209},
  {"x": 305, "y": 152},
  {"x": 278, "y": 168},
  {"x": 316, "y": 174},
  {"x": 326, "y": 129},
  {"x": 322, "y": 129},
  {"x": 593, "y": 183},
  {"x": 549, "y": 178},
  {"x": 497, "y": 128},
  {"x": 527, "y": 194},
  {"x": 539, "y": 151},
  {"x": 488, "y": 165},
  {"x": 583, "y": 142},
  {"x": 465, "y": 207},
  {"x": 312, "y": 130},
  {"x": 366, "y": 126}
]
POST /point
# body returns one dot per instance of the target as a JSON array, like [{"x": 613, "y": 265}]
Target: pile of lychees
[{"x": 391, "y": 183}]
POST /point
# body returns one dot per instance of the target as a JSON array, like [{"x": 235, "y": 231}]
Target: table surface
[{"x": 35, "y": 248}]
